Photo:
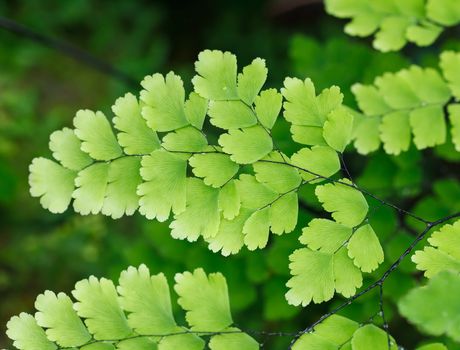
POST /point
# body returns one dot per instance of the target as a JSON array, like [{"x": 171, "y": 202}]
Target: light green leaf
[
  {"x": 231, "y": 115},
  {"x": 371, "y": 337},
  {"x": 444, "y": 253},
  {"x": 91, "y": 189},
  {"x": 396, "y": 91},
  {"x": 370, "y": 101},
  {"x": 395, "y": 132},
  {"x": 365, "y": 249},
  {"x": 256, "y": 229},
  {"x": 96, "y": 134},
  {"x": 65, "y": 146},
  {"x": 187, "y": 139},
  {"x": 449, "y": 63},
  {"x": 201, "y": 216},
  {"x": 366, "y": 134},
  {"x": 51, "y": 182},
  {"x": 427, "y": 84},
  {"x": 98, "y": 304},
  {"x": 284, "y": 213},
  {"x": 445, "y": 12},
  {"x": 325, "y": 235},
  {"x": 135, "y": 136},
  {"x": 146, "y": 299},
  {"x": 181, "y": 341},
  {"x": 308, "y": 135},
  {"x": 347, "y": 276},
  {"x": 392, "y": 34},
  {"x": 215, "y": 169},
  {"x": 454, "y": 117},
  {"x": 423, "y": 35},
  {"x": 443, "y": 314},
  {"x": 164, "y": 187},
  {"x": 229, "y": 200},
  {"x": 205, "y": 300},
  {"x": 253, "y": 194},
  {"x": 429, "y": 126},
  {"x": 247, "y": 145},
  {"x": 316, "y": 162},
  {"x": 251, "y": 80},
  {"x": 164, "y": 102},
  {"x": 347, "y": 205},
  {"x": 313, "y": 277},
  {"x": 27, "y": 334},
  {"x": 195, "y": 109},
  {"x": 332, "y": 333},
  {"x": 338, "y": 129},
  {"x": 230, "y": 237},
  {"x": 121, "y": 192},
  {"x": 276, "y": 174},
  {"x": 141, "y": 343},
  {"x": 432, "y": 346},
  {"x": 268, "y": 106},
  {"x": 217, "y": 75},
  {"x": 233, "y": 341},
  {"x": 56, "y": 313}
]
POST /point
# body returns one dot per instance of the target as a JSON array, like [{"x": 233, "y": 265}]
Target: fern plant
[{"x": 211, "y": 162}]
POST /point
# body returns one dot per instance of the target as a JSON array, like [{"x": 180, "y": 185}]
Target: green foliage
[
  {"x": 409, "y": 102},
  {"x": 135, "y": 314},
  {"x": 444, "y": 252},
  {"x": 441, "y": 317},
  {"x": 395, "y": 23},
  {"x": 337, "y": 332}
]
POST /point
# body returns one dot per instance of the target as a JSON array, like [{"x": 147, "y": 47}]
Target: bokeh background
[{"x": 41, "y": 89}]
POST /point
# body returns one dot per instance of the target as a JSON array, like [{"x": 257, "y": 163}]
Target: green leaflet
[
  {"x": 325, "y": 235},
  {"x": 454, "y": 117},
  {"x": 395, "y": 132},
  {"x": 284, "y": 213},
  {"x": 428, "y": 126},
  {"x": 337, "y": 130},
  {"x": 51, "y": 182},
  {"x": 442, "y": 317},
  {"x": 186, "y": 139},
  {"x": 449, "y": 61},
  {"x": 365, "y": 249},
  {"x": 164, "y": 102},
  {"x": 347, "y": 205},
  {"x": 216, "y": 79},
  {"x": 237, "y": 341},
  {"x": 134, "y": 135},
  {"x": 395, "y": 23},
  {"x": 146, "y": 299},
  {"x": 205, "y": 299},
  {"x": 98, "y": 139},
  {"x": 332, "y": 333},
  {"x": 251, "y": 80},
  {"x": 371, "y": 337},
  {"x": 98, "y": 304},
  {"x": 256, "y": 229},
  {"x": 444, "y": 253},
  {"x": 201, "y": 215},
  {"x": 215, "y": 169},
  {"x": 268, "y": 106},
  {"x": 65, "y": 146},
  {"x": 275, "y": 174},
  {"x": 91, "y": 188},
  {"x": 366, "y": 134},
  {"x": 231, "y": 114},
  {"x": 56, "y": 313},
  {"x": 195, "y": 109},
  {"x": 27, "y": 334},
  {"x": 247, "y": 145},
  {"x": 164, "y": 186},
  {"x": 316, "y": 163},
  {"x": 229, "y": 200},
  {"x": 97, "y": 321}
]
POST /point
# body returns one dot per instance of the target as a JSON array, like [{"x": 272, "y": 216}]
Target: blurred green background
[{"x": 41, "y": 89}]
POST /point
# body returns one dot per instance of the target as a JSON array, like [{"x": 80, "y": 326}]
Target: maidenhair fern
[
  {"x": 410, "y": 102},
  {"x": 396, "y": 22},
  {"x": 163, "y": 161},
  {"x": 136, "y": 314}
]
